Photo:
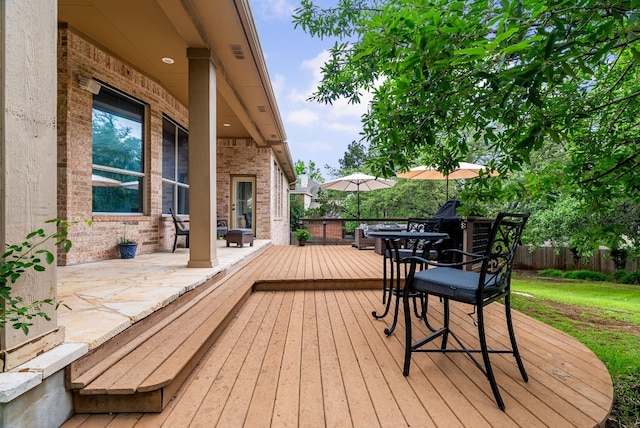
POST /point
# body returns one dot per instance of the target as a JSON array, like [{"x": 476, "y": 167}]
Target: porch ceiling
[{"x": 142, "y": 32}]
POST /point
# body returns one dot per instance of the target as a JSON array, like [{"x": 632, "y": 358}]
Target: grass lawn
[{"x": 603, "y": 316}]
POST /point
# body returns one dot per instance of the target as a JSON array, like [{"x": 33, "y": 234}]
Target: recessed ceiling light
[
  {"x": 226, "y": 124},
  {"x": 168, "y": 60}
]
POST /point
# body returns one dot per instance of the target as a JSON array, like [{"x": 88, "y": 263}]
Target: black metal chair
[
  {"x": 477, "y": 288},
  {"x": 181, "y": 230},
  {"x": 397, "y": 255}
]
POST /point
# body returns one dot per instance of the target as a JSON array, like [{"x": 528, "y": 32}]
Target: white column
[
  {"x": 28, "y": 96},
  {"x": 202, "y": 159}
]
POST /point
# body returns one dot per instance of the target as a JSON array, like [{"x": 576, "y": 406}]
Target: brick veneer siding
[
  {"x": 280, "y": 210},
  {"x": 153, "y": 231},
  {"x": 242, "y": 157},
  {"x": 332, "y": 228}
]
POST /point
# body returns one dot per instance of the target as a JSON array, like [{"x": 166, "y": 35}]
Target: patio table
[{"x": 391, "y": 240}]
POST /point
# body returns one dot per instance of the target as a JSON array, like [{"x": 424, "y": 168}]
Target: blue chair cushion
[{"x": 453, "y": 283}]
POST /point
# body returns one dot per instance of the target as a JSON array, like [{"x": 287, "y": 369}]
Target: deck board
[
  {"x": 262, "y": 401},
  {"x": 318, "y": 358},
  {"x": 336, "y": 406}
]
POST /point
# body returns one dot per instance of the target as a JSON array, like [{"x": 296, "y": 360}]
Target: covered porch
[{"x": 304, "y": 350}]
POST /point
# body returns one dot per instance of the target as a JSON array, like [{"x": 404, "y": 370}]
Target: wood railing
[{"x": 340, "y": 231}]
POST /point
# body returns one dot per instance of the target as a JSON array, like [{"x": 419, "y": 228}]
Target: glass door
[{"x": 243, "y": 201}]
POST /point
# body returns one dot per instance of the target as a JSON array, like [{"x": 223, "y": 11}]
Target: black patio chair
[
  {"x": 181, "y": 230},
  {"x": 478, "y": 288},
  {"x": 222, "y": 227}
]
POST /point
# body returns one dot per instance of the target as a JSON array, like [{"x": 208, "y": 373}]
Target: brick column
[{"x": 202, "y": 159}]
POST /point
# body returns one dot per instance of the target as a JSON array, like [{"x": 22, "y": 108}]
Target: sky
[{"x": 315, "y": 132}]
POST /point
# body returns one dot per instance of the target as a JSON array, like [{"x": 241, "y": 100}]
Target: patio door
[{"x": 243, "y": 202}]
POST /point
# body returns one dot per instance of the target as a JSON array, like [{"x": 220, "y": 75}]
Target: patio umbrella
[
  {"x": 464, "y": 170},
  {"x": 100, "y": 181},
  {"x": 358, "y": 182}
]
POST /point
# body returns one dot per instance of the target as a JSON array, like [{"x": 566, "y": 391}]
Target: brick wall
[
  {"x": 243, "y": 158},
  {"x": 78, "y": 56}
]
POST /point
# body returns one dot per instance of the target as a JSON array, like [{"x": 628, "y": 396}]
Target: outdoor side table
[{"x": 393, "y": 281}]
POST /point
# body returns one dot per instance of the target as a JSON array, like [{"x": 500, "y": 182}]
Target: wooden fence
[{"x": 546, "y": 258}]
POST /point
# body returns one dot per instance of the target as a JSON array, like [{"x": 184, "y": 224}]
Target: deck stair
[{"x": 142, "y": 368}]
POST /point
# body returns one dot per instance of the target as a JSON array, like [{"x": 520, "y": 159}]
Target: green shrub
[
  {"x": 588, "y": 275},
  {"x": 554, "y": 273},
  {"x": 28, "y": 257},
  {"x": 302, "y": 235},
  {"x": 619, "y": 274},
  {"x": 630, "y": 278}
]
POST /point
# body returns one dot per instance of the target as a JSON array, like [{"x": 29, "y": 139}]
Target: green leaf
[
  {"x": 471, "y": 51},
  {"x": 520, "y": 46},
  {"x": 39, "y": 232},
  {"x": 551, "y": 41},
  {"x": 568, "y": 70},
  {"x": 49, "y": 257},
  {"x": 504, "y": 36}
]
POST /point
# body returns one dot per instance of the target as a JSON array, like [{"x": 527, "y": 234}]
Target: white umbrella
[
  {"x": 358, "y": 182},
  {"x": 100, "y": 181},
  {"x": 131, "y": 185},
  {"x": 464, "y": 170}
]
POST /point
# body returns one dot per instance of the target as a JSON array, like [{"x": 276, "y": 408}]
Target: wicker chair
[{"x": 363, "y": 241}]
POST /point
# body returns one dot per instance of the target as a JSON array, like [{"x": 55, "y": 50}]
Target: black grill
[{"x": 451, "y": 225}]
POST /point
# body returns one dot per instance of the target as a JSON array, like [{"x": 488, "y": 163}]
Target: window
[
  {"x": 278, "y": 191},
  {"x": 118, "y": 153},
  {"x": 175, "y": 167}
]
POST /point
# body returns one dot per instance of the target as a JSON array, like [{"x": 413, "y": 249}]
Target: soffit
[{"x": 142, "y": 32}]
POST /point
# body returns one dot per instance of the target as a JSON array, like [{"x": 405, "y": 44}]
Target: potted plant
[
  {"x": 302, "y": 236},
  {"x": 127, "y": 246}
]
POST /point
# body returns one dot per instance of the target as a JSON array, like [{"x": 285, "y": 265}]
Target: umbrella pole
[
  {"x": 447, "y": 189},
  {"x": 358, "y": 192}
]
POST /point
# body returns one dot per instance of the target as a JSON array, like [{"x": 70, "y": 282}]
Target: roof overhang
[{"x": 143, "y": 32}]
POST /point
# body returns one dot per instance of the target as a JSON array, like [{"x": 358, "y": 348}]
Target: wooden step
[{"x": 140, "y": 369}]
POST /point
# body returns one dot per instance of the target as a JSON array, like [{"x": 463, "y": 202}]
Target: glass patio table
[{"x": 392, "y": 285}]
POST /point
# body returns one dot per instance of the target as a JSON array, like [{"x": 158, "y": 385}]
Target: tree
[
  {"x": 354, "y": 160},
  {"x": 521, "y": 77},
  {"x": 113, "y": 144},
  {"x": 312, "y": 171},
  {"x": 296, "y": 211}
]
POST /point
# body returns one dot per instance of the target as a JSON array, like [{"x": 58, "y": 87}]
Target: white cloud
[
  {"x": 348, "y": 128},
  {"x": 278, "y": 83},
  {"x": 274, "y": 9},
  {"x": 318, "y": 151},
  {"x": 303, "y": 117}
]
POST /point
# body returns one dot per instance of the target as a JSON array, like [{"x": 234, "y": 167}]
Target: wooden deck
[{"x": 313, "y": 355}]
